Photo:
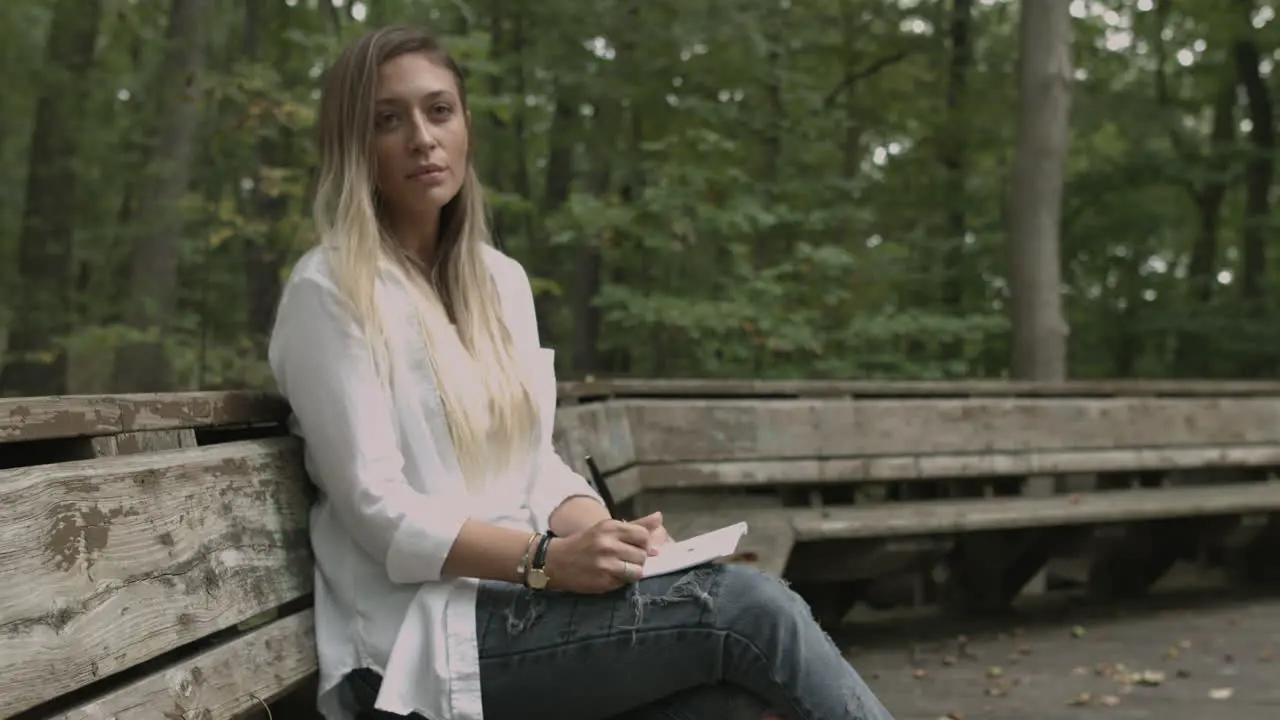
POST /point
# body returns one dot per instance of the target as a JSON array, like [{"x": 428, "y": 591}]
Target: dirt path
[{"x": 1198, "y": 660}]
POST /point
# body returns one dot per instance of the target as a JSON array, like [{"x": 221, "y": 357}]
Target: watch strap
[{"x": 540, "y": 554}]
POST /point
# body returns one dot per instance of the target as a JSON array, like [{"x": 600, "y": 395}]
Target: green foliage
[{"x": 753, "y": 189}]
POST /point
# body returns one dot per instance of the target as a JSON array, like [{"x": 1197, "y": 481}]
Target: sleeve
[
  {"x": 325, "y": 370},
  {"x": 554, "y": 481}
]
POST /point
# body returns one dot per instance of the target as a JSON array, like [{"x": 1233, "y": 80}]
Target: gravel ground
[{"x": 1181, "y": 658}]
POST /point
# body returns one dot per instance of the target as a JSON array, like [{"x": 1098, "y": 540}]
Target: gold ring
[{"x": 627, "y": 572}]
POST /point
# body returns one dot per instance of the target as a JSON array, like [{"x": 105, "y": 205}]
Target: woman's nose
[{"x": 421, "y": 138}]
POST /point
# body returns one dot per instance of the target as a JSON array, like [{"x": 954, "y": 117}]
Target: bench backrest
[
  {"x": 666, "y": 442},
  {"x": 139, "y": 537}
]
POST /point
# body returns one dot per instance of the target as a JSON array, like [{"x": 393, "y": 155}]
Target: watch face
[{"x": 537, "y": 579}]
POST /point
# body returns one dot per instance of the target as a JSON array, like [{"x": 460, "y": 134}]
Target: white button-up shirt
[{"x": 392, "y": 497}]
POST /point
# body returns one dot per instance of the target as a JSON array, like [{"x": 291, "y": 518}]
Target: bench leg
[
  {"x": 1126, "y": 565},
  {"x": 989, "y": 569}
]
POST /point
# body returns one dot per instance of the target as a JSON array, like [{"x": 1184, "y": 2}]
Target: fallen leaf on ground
[
  {"x": 1078, "y": 631},
  {"x": 1083, "y": 698},
  {"x": 1150, "y": 677},
  {"x": 1221, "y": 693},
  {"x": 995, "y": 671},
  {"x": 1109, "y": 700},
  {"x": 919, "y": 673}
]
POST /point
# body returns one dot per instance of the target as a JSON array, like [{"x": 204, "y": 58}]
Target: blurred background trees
[{"x": 708, "y": 188}]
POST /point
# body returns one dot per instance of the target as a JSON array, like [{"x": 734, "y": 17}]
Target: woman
[{"x": 462, "y": 569}]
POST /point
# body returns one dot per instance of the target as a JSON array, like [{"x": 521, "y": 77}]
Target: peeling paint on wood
[
  {"x": 89, "y": 415},
  {"x": 145, "y": 441},
  {"x": 109, "y": 562}
]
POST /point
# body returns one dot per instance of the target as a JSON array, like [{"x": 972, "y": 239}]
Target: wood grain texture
[
  {"x": 711, "y": 388},
  {"x": 219, "y": 684},
  {"x": 106, "y": 563},
  {"x": 600, "y": 430},
  {"x": 145, "y": 441},
  {"x": 940, "y": 517},
  {"x": 961, "y": 516},
  {"x": 754, "y": 473},
  {"x": 86, "y": 415},
  {"x": 713, "y": 430}
]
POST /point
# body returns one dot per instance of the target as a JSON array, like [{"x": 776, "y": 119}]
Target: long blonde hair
[{"x": 485, "y": 390}]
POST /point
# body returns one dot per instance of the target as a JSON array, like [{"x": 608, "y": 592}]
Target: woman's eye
[
  {"x": 384, "y": 119},
  {"x": 441, "y": 109}
]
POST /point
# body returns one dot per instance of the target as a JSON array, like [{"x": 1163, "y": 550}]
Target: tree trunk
[
  {"x": 263, "y": 261},
  {"x": 1039, "y": 327},
  {"x": 952, "y": 157},
  {"x": 1258, "y": 174},
  {"x": 42, "y": 313},
  {"x": 143, "y": 365}
]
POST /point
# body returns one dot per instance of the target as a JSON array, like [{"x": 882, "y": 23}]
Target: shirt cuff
[{"x": 421, "y": 544}]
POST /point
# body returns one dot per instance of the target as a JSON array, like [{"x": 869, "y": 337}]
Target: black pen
[{"x": 598, "y": 480}]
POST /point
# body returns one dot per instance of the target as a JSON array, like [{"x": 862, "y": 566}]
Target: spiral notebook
[{"x": 674, "y": 557}]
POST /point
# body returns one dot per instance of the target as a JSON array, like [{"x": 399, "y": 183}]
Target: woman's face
[{"x": 421, "y": 136}]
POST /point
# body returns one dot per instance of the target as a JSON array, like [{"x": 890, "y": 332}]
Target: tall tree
[
  {"x": 43, "y": 316},
  {"x": 1035, "y": 212},
  {"x": 142, "y": 365}
]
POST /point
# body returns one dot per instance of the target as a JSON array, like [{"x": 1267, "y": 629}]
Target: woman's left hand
[{"x": 657, "y": 531}]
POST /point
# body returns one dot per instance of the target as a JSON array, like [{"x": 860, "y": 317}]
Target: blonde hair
[{"x": 485, "y": 390}]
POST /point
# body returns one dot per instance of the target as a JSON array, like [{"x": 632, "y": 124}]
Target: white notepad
[{"x": 674, "y": 557}]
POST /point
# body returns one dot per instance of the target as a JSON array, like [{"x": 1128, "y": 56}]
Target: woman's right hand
[{"x": 604, "y": 557}]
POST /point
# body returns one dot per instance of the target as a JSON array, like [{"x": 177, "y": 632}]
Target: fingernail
[{"x": 653, "y": 551}]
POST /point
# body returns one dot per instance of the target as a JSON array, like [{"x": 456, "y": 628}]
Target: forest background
[{"x": 709, "y": 188}]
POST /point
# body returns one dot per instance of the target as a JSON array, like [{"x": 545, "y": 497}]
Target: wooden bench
[
  {"x": 153, "y": 557},
  {"x": 916, "y": 492},
  {"x": 154, "y": 560}
]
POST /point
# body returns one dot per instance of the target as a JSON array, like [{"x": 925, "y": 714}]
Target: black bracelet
[{"x": 540, "y": 555}]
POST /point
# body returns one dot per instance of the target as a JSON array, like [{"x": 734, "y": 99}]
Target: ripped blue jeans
[{"x": 721, "y": 642}]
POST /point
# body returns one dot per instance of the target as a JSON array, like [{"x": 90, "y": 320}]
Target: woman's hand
[
  {"x": 657, "y": 531},
  {"x": 604, "y": 557}
]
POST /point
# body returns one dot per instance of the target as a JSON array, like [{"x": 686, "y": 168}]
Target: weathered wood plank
[
  {"x": 84, "y": 415},
  {"x": 942, "y": 517},
  {"x": 691, "y": 430},
  {"x": 145, "y": 441},
  {"x": 704, "y": 388},
  {"x": 598, "y": 430},
  {"x": 219, "y": 684},
  {"x": 106, "y": 563},
  {"x": 749, "y": 473},
  {"x": 962, "y": 516}
]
